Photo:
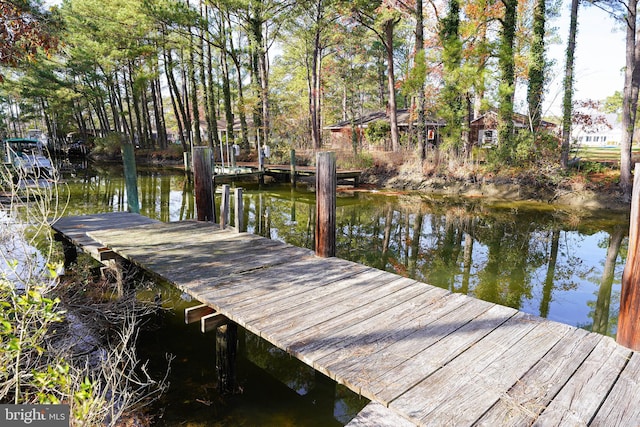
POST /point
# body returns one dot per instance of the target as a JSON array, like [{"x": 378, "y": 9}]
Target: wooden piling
[
  {"x": 224, "y": 207},
  {"x": 293, "y": 205},
  {"x": 260, "y": 159},
  {"x": 292, "y": 163},
  {"x": 203, "y": 184},
  {"x": 186, "y": 157},
  {"x": 68, "y": 249},
  {"x": 131, "y": 177},
  {"x": 226, "y": 349},
  {"x": 326, "y": 183},
  {"x": 628, "y": 333},
  {"x": 238, "y": 206}
]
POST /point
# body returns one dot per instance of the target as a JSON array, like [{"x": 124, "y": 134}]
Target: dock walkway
[
  {"x": 420, "y": 353},
  {"x": 281, "y": 173}
]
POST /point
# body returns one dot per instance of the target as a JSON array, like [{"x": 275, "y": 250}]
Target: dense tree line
[{"x": 277, "y": 71}]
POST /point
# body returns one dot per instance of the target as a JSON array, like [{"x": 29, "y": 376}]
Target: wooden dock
[
  {"x": 282, "y": 173},
  {"x": 423, "y": 355}
]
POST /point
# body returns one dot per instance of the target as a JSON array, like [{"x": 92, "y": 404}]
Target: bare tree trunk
[
  {"x": 314, "y": 94},
  {"x": 127, "y": 125},
  {"x": 47, "y": 121},
  {"x": 193, "y": 86},
  {"x": 226, "y": 86},
  {"x": 264, "y": 94},
  {"x": 235, "y": 57},
  {"x": 243, "y": 117},
  {"x": 176, "y": 100},
  {"x": 391, "y": 81},
  {"x": 179, "y": 109},
  {"x": 185, "y": 100},
  {"x": 158, "y": 111},
  {"x": 134, "y": 98},
  {"x": 260, "y": 67},
  {"x": 422, "y": 126},
  {"x": 257, "y": 117},
  {"x": 314, "y": 84},
  {"x": 629, "y": 100},
  {"x": 203, "y": 78},
  {"x": 146, "y": 118},
  {"x": 115, "y": 111},
  {"x": 567, "y": 102}
]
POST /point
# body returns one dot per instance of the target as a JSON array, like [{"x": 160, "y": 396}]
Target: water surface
[{"x": 561, "y": 264}]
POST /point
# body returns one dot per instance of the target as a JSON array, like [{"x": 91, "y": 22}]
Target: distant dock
[{"x": 250, "y": 171}]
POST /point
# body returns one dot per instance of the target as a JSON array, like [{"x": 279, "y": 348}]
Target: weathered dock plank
[
  {"x": 522, "y": 404},
  {"x": 615, "y": 410},
  {"x": 76, "y": 228},
  {"x": 395, "y": 329},
  {"x": 363, "y": 369},
  {"x": 581, "y": 397},
  {"x": 372, "y": 329},
  {"x": 304, "y": 334},
  {"x": 497, "y": 378},
  {"x": 428, "y": 357},
  {"x": 338, "y": 314},
  {"x": 317, "y": 298},
  {"x": 410, "y": 372},
  {"x": 377, "y": 415},
  {"x": 283, "y": 281},
  {"x": 446, "y": 383}
]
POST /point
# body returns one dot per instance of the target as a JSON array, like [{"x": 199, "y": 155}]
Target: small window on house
[{"x": 488, "y": 137}]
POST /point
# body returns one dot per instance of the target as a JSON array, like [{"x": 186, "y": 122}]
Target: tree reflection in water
[{"x": 558, "y": 263}]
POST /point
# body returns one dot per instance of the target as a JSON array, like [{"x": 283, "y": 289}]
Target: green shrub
[
  {"x": 378, "y": 131},
  {"x": 108, "y": 146},
  {"x": 528, "y": 149},
  {"x": 588, "y": 167}
]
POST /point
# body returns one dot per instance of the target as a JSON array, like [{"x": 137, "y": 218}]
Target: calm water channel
[{"x": 564, "y": 265}]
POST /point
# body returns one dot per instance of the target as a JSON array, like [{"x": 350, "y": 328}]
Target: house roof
[
  {"x": 363, "y": 121},
  {"x": 519, "y": 120}
]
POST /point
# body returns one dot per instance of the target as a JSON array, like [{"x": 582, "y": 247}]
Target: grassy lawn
[{"x": 603, "y": 154}]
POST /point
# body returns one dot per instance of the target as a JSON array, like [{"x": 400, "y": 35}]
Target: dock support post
[
  {"x": 260, "y": 165},
  {"x": 186, "y": 158},
  {"x": 629, "y": 318},
  {"x": 68, "y": 249},
  {"x": 203, "y": 184},
  {"x": 326, "y": 183},
  {"x": 238, "y": 206},
  {"x": 226, "y": 350},
  {"x": 131, "y": 177},
  {"x": 260, "y": 159},
  {"x": 224, "y": 207},
  {"x": 293, "y": 168}
]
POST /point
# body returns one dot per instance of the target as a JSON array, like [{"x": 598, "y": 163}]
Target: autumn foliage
[{"x": 23, "y": 30}]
